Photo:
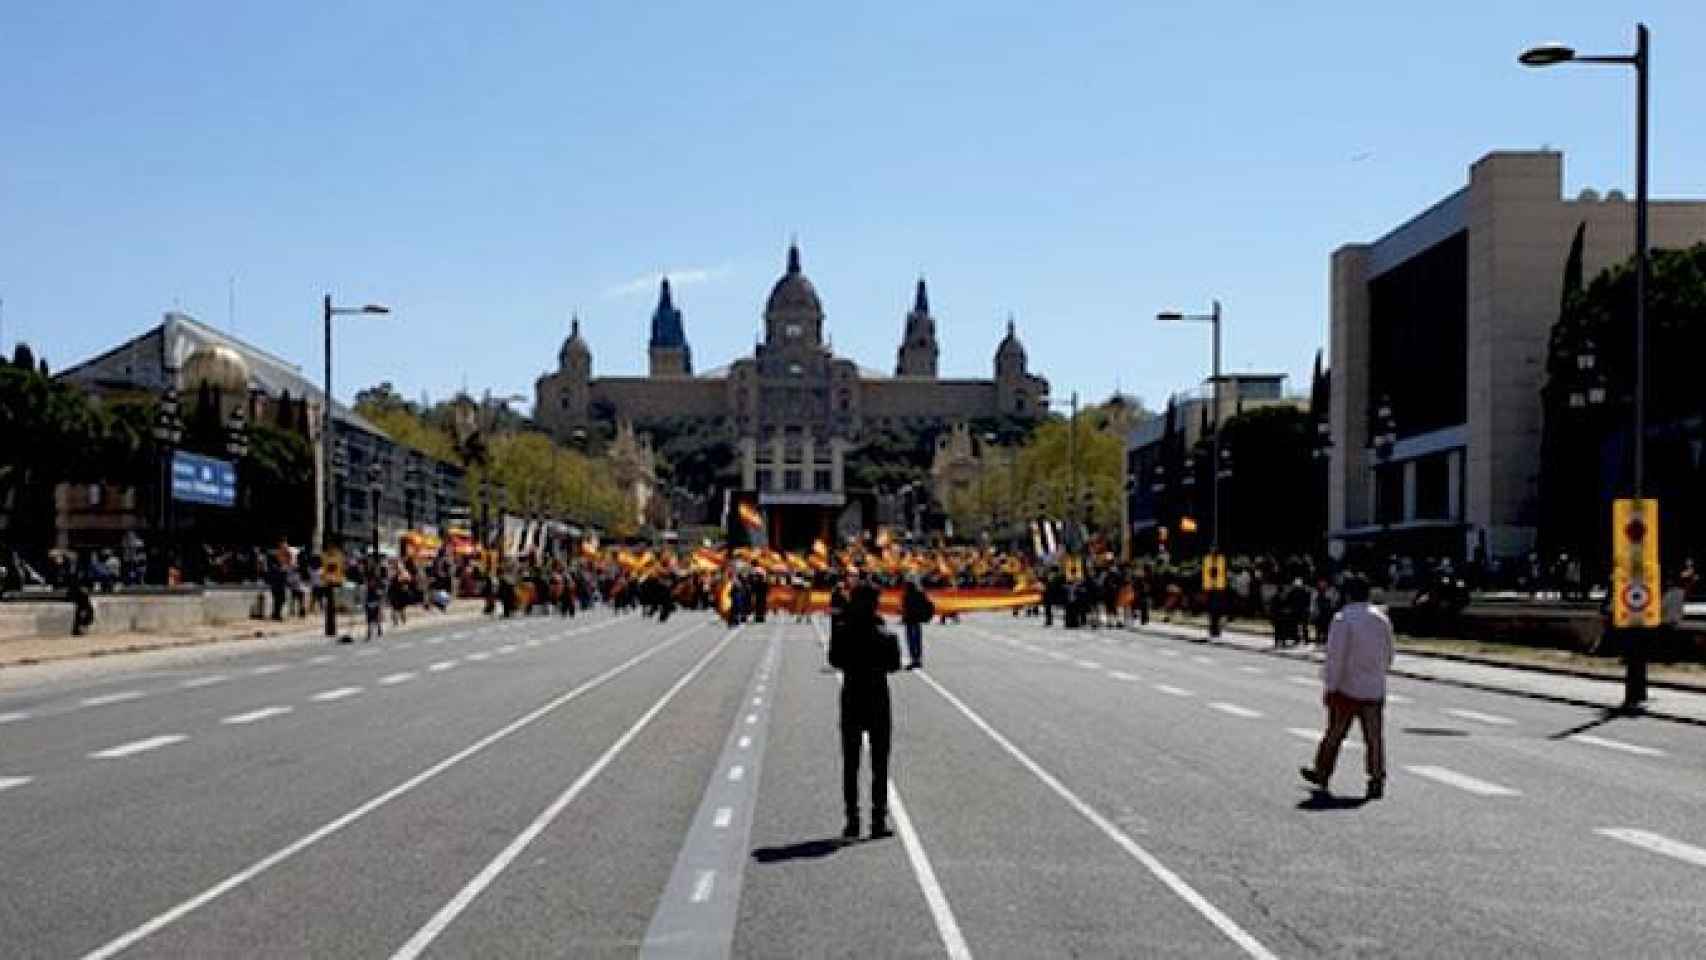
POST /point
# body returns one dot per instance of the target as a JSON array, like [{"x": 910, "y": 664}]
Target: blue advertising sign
[{"x": 198, "y": 479}]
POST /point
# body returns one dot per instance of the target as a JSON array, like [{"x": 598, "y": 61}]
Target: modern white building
[{"x": 1445, "y": 322}]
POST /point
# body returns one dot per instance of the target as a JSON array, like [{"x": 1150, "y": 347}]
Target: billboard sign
[{"x": 199, "y": 479}]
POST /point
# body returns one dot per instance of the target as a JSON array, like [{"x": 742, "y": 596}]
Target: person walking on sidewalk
[
  {"x": 1359, "y": 653},
  {"x": 915, "y": 611}
]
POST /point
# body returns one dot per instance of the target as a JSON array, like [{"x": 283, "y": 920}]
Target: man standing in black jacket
[{"x": 865, "y": 655}]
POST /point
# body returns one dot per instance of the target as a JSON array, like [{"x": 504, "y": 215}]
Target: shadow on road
[
  {"x": 805, "y": 850},
  {"x": 1322, "y": 802},
  {"x": 1606, "y": 716},
  {"x": 1436, "y": 731}
]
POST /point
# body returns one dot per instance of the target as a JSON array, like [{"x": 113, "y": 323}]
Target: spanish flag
[
  {"x": 750, "y": 517},
  {"x": 1187, "y": 525}
]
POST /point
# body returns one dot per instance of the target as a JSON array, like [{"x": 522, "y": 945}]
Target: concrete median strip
[{"x": 172, "y": 915}]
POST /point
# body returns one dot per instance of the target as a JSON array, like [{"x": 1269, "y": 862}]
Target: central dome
[{"x": 793, "y": 292}]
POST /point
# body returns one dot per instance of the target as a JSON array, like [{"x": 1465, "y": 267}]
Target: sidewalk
[
  {"x": 23, "y": 651},
  {"x": 1669, "y": 703}
]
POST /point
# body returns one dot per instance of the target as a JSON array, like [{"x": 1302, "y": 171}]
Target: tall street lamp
[
  {"x": 1213, "y": 319},
  {"x": 237, "y": 445},
  {"x": 168, "y": 432},
  {"x": 1549, "y": 54},
  {"x": 375, "y": 487},
  {"x": 327, "y": 312}
]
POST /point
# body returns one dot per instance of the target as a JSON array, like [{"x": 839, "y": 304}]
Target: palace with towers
[{"x": 793, "y": 408}]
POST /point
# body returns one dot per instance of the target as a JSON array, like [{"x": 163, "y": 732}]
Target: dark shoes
[
  {"x": 1312, "y": 778},
  {"x": 915, "y": 665},
  {"x": 880, "y": 827},
  {"x": 1376, "y": 789},
  {"x": 851, "y": 831}
]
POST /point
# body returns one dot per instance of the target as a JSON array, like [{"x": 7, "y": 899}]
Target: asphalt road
[{"x": 617, "y": 787}]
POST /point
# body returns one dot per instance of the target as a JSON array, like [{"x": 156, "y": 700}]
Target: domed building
[
  {"x": 793, "y": 408},
  {"x": 222, "y": 372}
]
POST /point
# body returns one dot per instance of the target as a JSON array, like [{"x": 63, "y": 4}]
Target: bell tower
[
  {"x": 670, "y": 355},
  {"x": 918, "y": 350}
]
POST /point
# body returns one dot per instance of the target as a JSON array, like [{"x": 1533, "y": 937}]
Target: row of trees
[{"x": 497, "y": 447}]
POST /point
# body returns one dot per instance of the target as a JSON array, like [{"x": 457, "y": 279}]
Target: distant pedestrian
[
  {"x": 915, "y": 611},
  {"x": 1359, "y": 652},
  {"x": 372, "y": 604}
]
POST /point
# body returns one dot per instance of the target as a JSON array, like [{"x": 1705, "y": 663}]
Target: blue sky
[{"x": 486, "y": 169}]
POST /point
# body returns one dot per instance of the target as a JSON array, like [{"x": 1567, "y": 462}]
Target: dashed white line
[
  {"x": 1172, "y": 691},
  {"x": 1304, "y": 681},
  {"x": 138, "y": 746},
  {"x": 322, "y": 658},
  {"x": 1657, "y": 843},
  {"x": 267, "y": 668},
  {"x": 396, "y": 678},
  {"x": 1235, "y": 710},
  {"x": 339, "y": 693},
  {"x": 946, "y": 926},
  {"x": 406, "y": 644},
  {"x": 1249, "y": 944},
  {"x": 477, "y": 657},
  {"x": 1400, "y": 698},
  {"x": 752, "y": 718},
  {"x": 1249, "y": 669},
  {"x": 441, "y": 665},
  {"x": 506, "y": 648},
  {"x": 533, "y": 643},
  {"x": 736, "y": 773},
  {"x": 107, "y": 698},
  {"x": 1205, "y": 660},
  {"x": 702, "y": 886},
  {"x": 1169, "y": 653},
  {"x": 745, "y": 743},
  {"x": 1088, "y": 664},
  {"x": 1611, "y": 744},
  {"x": 756, "y": 701},
  {"x": 1122, "y": 675},
  {"x": 1463, "y": 781},
  {"x": 370, "y": 652},
  {"x": 7, "y": 783},
  {"x": 1058, "y": 655},
  {"x": 724, "y": 817},
  {"x": 1314, "y": 736},
  {"x": 435, "y": 641},
  {"x": 1479, "y": 717},
  {"x": 206, "y": 681},
  {"x": 13, "y": 717},
  {"x": 254, "y": 715}
]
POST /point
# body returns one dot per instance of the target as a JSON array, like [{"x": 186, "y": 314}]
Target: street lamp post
[
  {"x": 1213, "y": 319},
  {"x": 375, "y": 487},
  {"x": 327, "y": 312},
  {"x": 168, "y": 431},
  {"x": 1546, "y": 55},
  {"x": 237, "y": 445}
]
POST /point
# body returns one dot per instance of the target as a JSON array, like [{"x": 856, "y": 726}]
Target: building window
[
  {"x": 795, "y": 369},
  {"x": 791, "y": 480},
  {"x": 822, "y": 481},
  {"x": 763, "y": 479},
  {"x": 792, "y": 331},
  {"x": 563, "y": 401}
]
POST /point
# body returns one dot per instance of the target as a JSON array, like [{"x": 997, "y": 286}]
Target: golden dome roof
[{"x": 217, "y": 366}]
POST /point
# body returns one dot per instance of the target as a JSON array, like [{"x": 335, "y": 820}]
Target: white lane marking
[
  {"x": 1122, "y": 675},
  {"x": 1479, "y": 717},
  {"x": 759, "y": 688},
  {"x": 160, "y": 921},
  {"x": 1249, "y": 669},
  {"x": 370, "y": 652},
  {"x": 7, "y": 783},
  {"x": 949, "y": 928},
  {"x": 1088, "y": 664},
  {"x": 406, "y": 644},
  {"x": 322, "y": 658},
  {"x": 1314, "y": 736},
  {"x": 435, "y": 641},
  {"x": 396, "y": 678},
  {"x": 430, "y": 930},
  {"x": 107, "y": 698},
  {"x": 1304, "y": 681},
  {"x": 138, "y": 746},
  {"x": 1202, "y": 659},
  {"x": 1058, "y": 655},
  {"x": 441, "y": 665},
  {"x": 506, "y": 648},
  {"x": 1235, "y": 710},
  {"x": 1400, "y": 698},
  {"x": 14, "y": 716},
  {"x": 1657, "y": 843},
  {"x": 736, "y": 772},
  {"x": 724, "y": 817},
  {"x": 1462, "y": 781},
  {"x": 533, "y": 643},
  {"x": 267, "y": 668},
  {"x": 1169, "y": 653},
  {"x": 702, "y": 886},
  {"x": 206, "y": 681},
  {"x": 752, "y": 718},
  {"x": 261, "y": 714},
  {"x": 745, "y": 742},
  {"x": 477, "y": 657},
  {"x": 339, "y": 693},
  {"x": 1172, "y": 691},
  {"x": 1611, "y": 744},
  {"x": 1159, "y": 870},
  {"x": 756, "y": 701}
]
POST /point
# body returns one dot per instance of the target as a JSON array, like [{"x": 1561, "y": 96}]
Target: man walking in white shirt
[{"x": 1359, "y": 652}]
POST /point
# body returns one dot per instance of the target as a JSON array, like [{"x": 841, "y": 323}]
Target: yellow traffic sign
[
  {"x": 1214, "y": 571},
  {"x": 332, "y": 567},
  {"x": 1636, "y": 582}
]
